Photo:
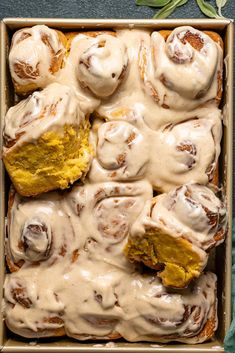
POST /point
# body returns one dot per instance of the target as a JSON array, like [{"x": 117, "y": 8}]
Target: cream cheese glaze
[
  {"x": 127, "y": 149},
  {"x": 39, "y": 229},
  {"x": 102, "y": 64},
  {"x": 96, "y": 300},
  {"x": 205, "y": 224},
  {"x": 76, "y": 280},
  {"x": 47, "y": 110},
  {"x": 122, "y": 152},
  {"x": 97, "y": 293},
  {"x": 181, "y": 75},
  {"x": 44, "y": 47},
  {"x": 94, "y": 219},
  {"x": 183, "y": 147}
]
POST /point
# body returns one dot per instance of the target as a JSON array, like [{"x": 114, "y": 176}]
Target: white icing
[
  {"x": 36, "y": 67},
  {"x": 121, "y": 152},
  {"x": 47, "y": 110},
  {"x": 178, "y": 153},
  {"x": 77, "y": 272},
  {"x": 101, "y": 64}
]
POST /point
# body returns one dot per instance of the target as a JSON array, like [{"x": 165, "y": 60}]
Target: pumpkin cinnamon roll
[
  {"x": 104, "y": 302},
  {"x": 191, "y": 149},
  {"x": 26, "y": 307},
  {"x": 104, "y": 214},
  {"x": 182, "y": 69},
  {"x": 38, "y": 231},
  {"x": 46, "y": 141},
  {"x": 100, "y": 60},
  {"x": 121, "y": 152},
  {"x": 175, "y": 232},
  {"x": 36, "y": 55},
  {"x": 154, "y": 313}
]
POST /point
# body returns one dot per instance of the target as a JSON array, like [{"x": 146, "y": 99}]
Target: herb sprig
[{"x": 169, "y": 6}]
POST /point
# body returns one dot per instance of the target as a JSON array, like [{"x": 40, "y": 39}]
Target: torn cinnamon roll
[
  {"x": 101, "y": 61},
  {"x": 35, "y": 57},
  {"x": 121, "y": 152},
  {"x": 182, "y": 69},
  {"x": 46, "y": 141},
  {"x": 38, "y": 231},
  {"x": 174, "y": 234},
  {"x": 186, "y": 152}
]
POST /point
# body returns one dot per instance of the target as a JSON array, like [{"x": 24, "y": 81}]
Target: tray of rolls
[{"x": 116, "y": 185}]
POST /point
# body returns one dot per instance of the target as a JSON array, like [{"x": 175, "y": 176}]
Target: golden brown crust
[{"x": 215, "y": 179}]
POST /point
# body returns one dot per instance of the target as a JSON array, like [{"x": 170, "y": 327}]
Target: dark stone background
[
  {"x": 100, "y": 9},
  {"x": 96, "y": 9}
]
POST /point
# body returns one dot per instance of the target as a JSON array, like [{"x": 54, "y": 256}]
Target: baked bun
[
  {"x": 46, "y": 141},
  {"x": 175, "y": 232},
  {"x": 182, "y": 69},
  {"x": 139, "y": 308},
  {"x": 35, "y": 57},
  {"x": 100, "y": 59}
]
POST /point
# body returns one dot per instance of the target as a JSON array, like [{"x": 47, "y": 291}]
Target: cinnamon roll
[
  {"x": 100, "y": 60},
  {"x": 36, "y": 55},
  {"x": 39, "y": 231},
  {"x": 90, "y": 302},
  {"x": 103, "y": 214},
  {"x": 121, "y": 152},
  {"x": 23, "y": 298},
  {"x": 173, "y": 234},
  {"x": 159, "y": 315},
  {"x": 46, "y": 141},
  {"x": 183, "y": 146},
  {"x": 182, "y": 69}
]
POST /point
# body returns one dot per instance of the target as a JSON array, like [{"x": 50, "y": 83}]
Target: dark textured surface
[
  {"x": 95, "y": 9},
  {"x": 98, "y": 9}
]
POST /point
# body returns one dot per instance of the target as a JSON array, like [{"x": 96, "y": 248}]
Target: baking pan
[{"x": 221, "y": 262}]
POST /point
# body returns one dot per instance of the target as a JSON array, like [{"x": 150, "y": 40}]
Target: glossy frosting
[
  {"x": 48, "y": 110},
  {"x": 206, "y": 216},
  {"x": 95, "y": 293},
  {"x": 45, "y": 48},
  {"x": 156, "y": 126},
  {"x": 101, "y": 64}
]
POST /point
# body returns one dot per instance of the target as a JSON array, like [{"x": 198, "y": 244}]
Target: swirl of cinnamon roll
[
  {"x": 39, "y": 230},
  {"x": 46, "y": 141},
  {"x": 182, "y": 145},
  {"x": 35, "y": 57},
  {"x": 183, "y": 68},
  {"x": 25, "y": 308},
  {"x": 173, "y": 233},
  {"x": 111, "y": 304},
  {"x": 159, "y": 315},
  {"x": 105, "y": 213},
  {"x": 102, "y": 62},
  {"x": 121, "y": 152}
]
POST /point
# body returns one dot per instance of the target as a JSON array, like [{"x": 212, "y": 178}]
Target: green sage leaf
[
  {"x": 152, "y": 3},
  {"x": 169, "y": 8},
  {"x": 220, "y": 4},
  {"x": 207, "y": 9}
]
